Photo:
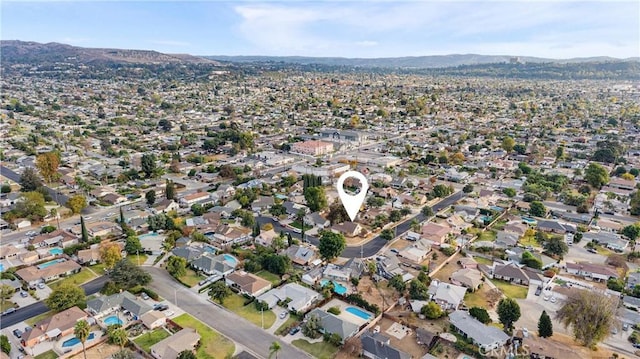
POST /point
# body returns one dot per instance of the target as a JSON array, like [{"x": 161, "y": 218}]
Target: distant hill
[
  {"x": 20, "y": 52},
  {"x": 416, "y": 62}
]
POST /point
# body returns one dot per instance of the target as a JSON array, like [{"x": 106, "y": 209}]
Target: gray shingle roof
[
  {"x": 480, "y": 333},
  {"x": 378, "y": 345}
]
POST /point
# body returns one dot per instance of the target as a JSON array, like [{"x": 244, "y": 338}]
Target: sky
[{"x": 381, "y": 28}]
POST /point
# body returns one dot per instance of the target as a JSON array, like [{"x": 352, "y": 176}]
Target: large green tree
[
  {"x": 508, "y": 313},
  {"x": 431, "y": 310},
  {"x": 148, "y": 164},
  {"x": 596, "y": 175},
  {"x": 29, "y": 180},
  {"x": 4, "y": 344},
  {"x": 331, "y": 245},
  {"x": 316, "y": 198},
  {"x": 481, "y": 314},
  {"x": 219, "y": 291},
  {"x": 176, "y": 266},
  {"x": 556, "y": 246},
  {"x": 65, "y": 296},
  {"x": 537, "y": 208},
  {"x": 545, "y": 327},
  {"x": 77, "y": 203},
  {"x": 127, "y": 275},
  {"x": 591, "y": 314}
]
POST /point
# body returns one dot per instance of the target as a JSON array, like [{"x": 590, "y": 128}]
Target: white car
[
  {"x": 553, "y": 299},
  {"x": 283, "y": 315},
  {"x": 169, "y": 313},
  {"x": 546, "y": 298}
]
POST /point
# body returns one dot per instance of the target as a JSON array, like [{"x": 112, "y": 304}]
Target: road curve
[
  {"x": 373, "y": 246},
  {"x": 38, "y": 308}
]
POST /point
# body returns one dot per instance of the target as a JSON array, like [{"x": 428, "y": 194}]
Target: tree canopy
[
  {"x": 545, "y": 327},
  {"x": 596, "y": 175},
  {"x": 65, "y": 296},
  {"x": 127, "y": 275},
  {"x": 331, "y": 245},
  {"x": 508, "y": 313},
  {"x": 591, "y": 315}
]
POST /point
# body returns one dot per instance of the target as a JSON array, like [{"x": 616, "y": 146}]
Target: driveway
[
  {"x": 278, "y": 311},
  {"x": 22, "y": 301},
  {"x": 15, "y": 342},
  {"x": 577, "y": 253}
]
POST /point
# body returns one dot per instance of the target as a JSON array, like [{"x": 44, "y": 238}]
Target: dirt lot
[
  {"x": 100, "y": 351},
  {"x": 374, "y": 295},
  {"x": 446, "y": 271}
]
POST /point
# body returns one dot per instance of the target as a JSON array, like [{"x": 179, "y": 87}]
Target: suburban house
[
  {"x": 337, "y": 272},
  {"x": 263, "y": 203},
  {"x": 356, "y": 265},
  {"x": 389, "y": 266},
  {"x": 153, "y": 319},
  {"x": 193, "y": 198},
  {"x": 506, "y": 239},
  {"x": 301, "y": 297},
  {"x": 316, "y": 220},
  {"x": 348, "y": 229},
  {"x": 551, "y": 226},
  {"x": 334, "y": 324},
  {"x": 164, "y": 206},
  {"x": 514, "y": 274},
  {"x": 222, "y": 264},
  {"x": 484, "y": 336},
  {"x": 610, "y": 240},
  {"x": 48, "y": 271},
  {"x": 468, "y": 278},
  {"x": 378, "y": 346},
  {"x": 448, "y": 296},
  {"x": 548, "y": 349},
  {"x": 57, "y": 238},
  {"x": 8, "y": 251},
  {"x": 53, "y": 328},
  {"x": 633, "y": 279},
  {"x": 415, "y": 253},
  {"x": 593, "y": 271},
  {"x": 89, "y": 256},
  {"x": 300, "y": 255},
  {"x": 170, "y": 347},
  {"x": 265, "y": 238},
  {"x": 228, "y": 235},
  {"x": 435, "y": 232},
  {"x": 104, "y": 305},
  {"x": 247, "y": 283},
  {"x": 188, "y": 253}
]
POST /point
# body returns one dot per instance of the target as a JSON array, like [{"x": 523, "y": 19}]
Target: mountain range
[{"x": 16, "y": 52}]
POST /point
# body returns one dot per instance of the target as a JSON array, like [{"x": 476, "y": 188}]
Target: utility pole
[{"x": 262, "y": 315}]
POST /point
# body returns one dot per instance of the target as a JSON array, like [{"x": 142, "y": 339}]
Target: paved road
[
  {"x": 38, "y": 308},
  {"x": 372, "y": 247},
  {"x": 61, "y": 199},
  {"x": 234, "y": 327}
]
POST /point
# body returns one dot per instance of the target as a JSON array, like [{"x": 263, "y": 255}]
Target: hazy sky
[{"x": 557, "y": 29}]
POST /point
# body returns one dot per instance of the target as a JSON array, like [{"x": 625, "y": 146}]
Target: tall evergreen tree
[
  {"x": 545, "y": 327},
  {"x": 256, "y": 230},
  {"x": 170, "y": 190},
  {"x": 122, "y": 221},
  {"x": 83, "y": 228}
]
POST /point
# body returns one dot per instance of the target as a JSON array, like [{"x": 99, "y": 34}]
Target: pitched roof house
[
  {"x": 301, "y": 297},
  {"x": 467, "y": 277},
  {"x": 57, "y": 326},
  {"x": 435, "y": 232},
  {"x": 334, "y": 324},
  {"x": 247, "y": 283},
  {"x": 170, "y": 347},
  {"x": 220, "y": 264},
  {"x": 448, "y": 296},
  {"x": 485, "y": 337},
  {"x": 378, "y": 346},
  {"x": 590, "y": 270},
  {"x": 34, "y": 274}
]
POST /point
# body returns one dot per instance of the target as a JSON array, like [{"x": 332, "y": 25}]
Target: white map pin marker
[{"x": 352, "y": 203}]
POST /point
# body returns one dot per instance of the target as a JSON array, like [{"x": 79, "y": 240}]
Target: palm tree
[
  {"x": 54, "y": 213},
  {"x": 117, "y": 335},
  {"x": 81, "y": 331},
  {"x": 274, "y": 349}
]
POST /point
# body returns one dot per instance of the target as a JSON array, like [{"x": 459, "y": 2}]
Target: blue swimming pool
[
  {"x": 1, "y": 267},
  {"x": 209, "y": 249},
  {"x": 148, "y": 236},
  {"x": 73, "y": 341},
  {"x": 56, "y": 251},
  {"x": 359, "y": 312},
  {"x": 231, "y": 259},
  {"x": 50, "y": 263},
  {"x": 112, "y": 320},
  {"x": 338, "y": 288}
]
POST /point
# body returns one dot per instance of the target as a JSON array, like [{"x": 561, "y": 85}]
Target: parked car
[
  {"x": 144, "y": 296},
  {"x": 283, "y": 315},
  {"x": 40, "y": 285},
  {"x": 393, "y": 250},
  {"x": 592, "y": 250},
  {"x": 539, "y": 290},
  {"x": 24, "y": 294},
  {"x": 293, "y": 331},
  {"x": 17, "y": 333},
  {"x": 160, "y": 307},
  {"x": 169, "y": 313},
  {"x": 625, "y": 327}
]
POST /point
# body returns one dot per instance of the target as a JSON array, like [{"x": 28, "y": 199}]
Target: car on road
[
  {"x": 283, "y": 315},
  {"x": 17, "y": 333},
  {"x": 592, "y": 250},
  {"x": 9, "y": 311}
]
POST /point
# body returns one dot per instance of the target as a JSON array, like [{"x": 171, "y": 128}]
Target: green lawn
[
  {"x": 98, "y": 268},
  {"x": 235, "y": 304},
  {"x": 482, "y": 260},
  {"x": 499, "y": 225},
  {"x": 47, "y": 355},
  {"x": 191, "y": 278},
  {"x": 488, "y": 235},
  {"x": 292, "y": 318},
  {"x": 134, "y": 258},
  {"x": 33, "y": 320},
  {"x": 297, "y": 224},
  {"x": 604, "y": 251},
  {"x": 212, "y": 344},
  {"x": 320, "y": 350},
  {"x": 273, "y": 278},
  {"x": 148, "y": 339},
  {"x": 529, "y": 241},
  {"x": 475, "y": 299},
  {"x": 79, "y": 278},
  {"x": 511, "y": 290}
]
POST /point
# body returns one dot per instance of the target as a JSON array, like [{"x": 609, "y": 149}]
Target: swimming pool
[
  {"x": 73, "y": 341},
  {"x": 1, "y": 267},
  {"x": 231, "y": 259},
  {"x": 50, "y": 263},
  {"x": 338, "y": 288},
  {"x": 148, "y": 235},
  {"x": 112, "y": 320},
  {"x": 56, "y": 251},
  {"x": 358, "y": 312},
  {"x": 209, "y": 249}
]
